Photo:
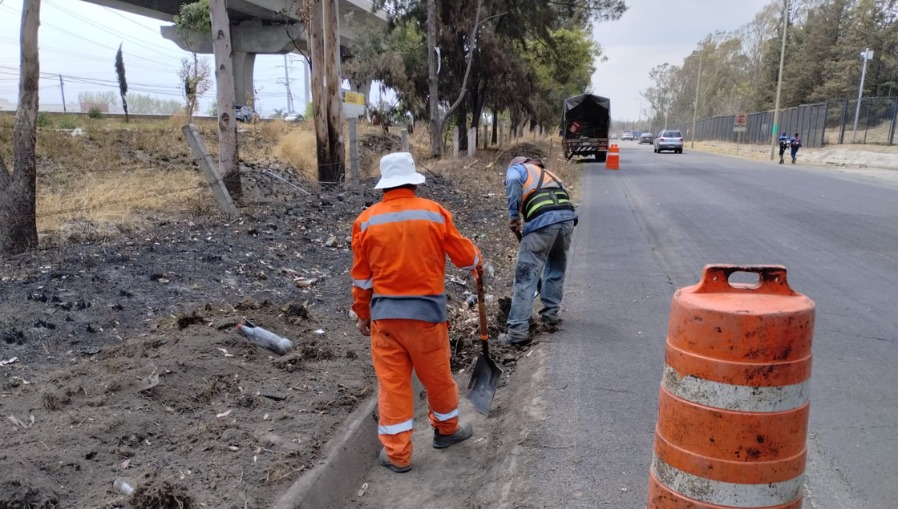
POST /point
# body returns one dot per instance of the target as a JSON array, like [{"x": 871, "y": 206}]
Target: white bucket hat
[{"x": 398, "y": 169}]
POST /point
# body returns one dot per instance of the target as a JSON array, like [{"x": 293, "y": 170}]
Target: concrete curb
[{"x": 336, "y": 480}]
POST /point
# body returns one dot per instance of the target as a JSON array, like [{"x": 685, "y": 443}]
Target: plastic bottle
[
  {"x": 265, "y": 338},
  {"x": 123, "y": 485}
]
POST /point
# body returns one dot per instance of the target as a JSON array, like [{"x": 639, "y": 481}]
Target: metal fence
[{"x": 819, "y": 124}]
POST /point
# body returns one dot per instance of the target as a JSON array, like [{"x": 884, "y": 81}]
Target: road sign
[
  {"x": 353, "y": 104},
  {"x": 741, "y": 120},
  {"x": 353, "y": 98},
  {"x": 739, "y": 129}
]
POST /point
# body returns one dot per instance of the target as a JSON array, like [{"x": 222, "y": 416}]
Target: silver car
[{"x": 669, "y": 139}]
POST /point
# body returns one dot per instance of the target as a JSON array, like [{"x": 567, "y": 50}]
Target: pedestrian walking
[
  {"x": 784, "y": 144},
  {"x": 795, "y": 144},
  {"x": 399, "y": 248},
  {"x": 541, "y": 214}
]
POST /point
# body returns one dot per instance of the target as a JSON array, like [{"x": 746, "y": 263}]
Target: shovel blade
[{"x": 484, "y": 380}]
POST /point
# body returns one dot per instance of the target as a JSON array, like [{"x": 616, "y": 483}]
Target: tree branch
[{"x": 470, "y": 57}]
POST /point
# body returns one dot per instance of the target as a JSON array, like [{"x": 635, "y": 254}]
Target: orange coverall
[{"x": 399, "y": 251}]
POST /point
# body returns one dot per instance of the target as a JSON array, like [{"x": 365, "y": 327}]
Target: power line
[{"x": 127, "y": 37}]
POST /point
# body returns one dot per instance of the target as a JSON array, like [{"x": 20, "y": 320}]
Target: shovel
[{"x": 485, "y": 378}]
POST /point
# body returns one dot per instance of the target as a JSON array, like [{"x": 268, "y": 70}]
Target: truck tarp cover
[{"x": 591, "y": 108}]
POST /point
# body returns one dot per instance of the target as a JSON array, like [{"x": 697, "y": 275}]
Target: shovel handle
[{"x": 481, "y": 305}]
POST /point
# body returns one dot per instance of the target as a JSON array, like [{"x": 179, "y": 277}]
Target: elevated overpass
[{"x": 257, "y": 27}]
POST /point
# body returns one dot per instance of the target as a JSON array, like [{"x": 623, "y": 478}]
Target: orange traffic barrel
[
  {"x": 733, "y": 410},
  {"x": 612, "y": 159}
]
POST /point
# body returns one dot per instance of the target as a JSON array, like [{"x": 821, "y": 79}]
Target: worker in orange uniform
[{"x": 399, "y": 248}]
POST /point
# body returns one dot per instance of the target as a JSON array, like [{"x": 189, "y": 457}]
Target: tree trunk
[
  {"x": 436, "y": 123},
  {"x": 18, "y": 218},
  {"x": 228, "y": 159},
  {"x": 494, "y": 136},
  {"x": 336, "y": 165},
  {"x": 324, "y": 48},
  {"x": 461, "y": 120}
]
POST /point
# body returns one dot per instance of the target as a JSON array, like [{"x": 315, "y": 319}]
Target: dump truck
[{"x": 585, "y": 124}]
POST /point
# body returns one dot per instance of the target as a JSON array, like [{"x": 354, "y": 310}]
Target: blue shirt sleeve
[{"x": 514, "y": 189}]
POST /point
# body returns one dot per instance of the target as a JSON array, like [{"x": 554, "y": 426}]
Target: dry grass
[
  {"x": 297, "y": 148},
  {"x": 275, "y": 129},
  {"x": 115, "y": 198},
  {"x": 177, "y": 120}
]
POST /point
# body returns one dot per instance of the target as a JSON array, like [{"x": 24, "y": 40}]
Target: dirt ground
[{"x": 121, "y": 357}]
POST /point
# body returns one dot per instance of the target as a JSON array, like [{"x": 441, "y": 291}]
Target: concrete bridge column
[{"x": 244, "y": 90}]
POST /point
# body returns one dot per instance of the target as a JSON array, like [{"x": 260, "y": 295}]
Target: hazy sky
[
  {"x": 79, "y": 40},
  {"x": 653, "y": 32}
]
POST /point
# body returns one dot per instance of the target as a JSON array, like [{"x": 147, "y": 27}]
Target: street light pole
[
  {"x": 866, "y": 55},
  {"x": 779, "y": 82}
]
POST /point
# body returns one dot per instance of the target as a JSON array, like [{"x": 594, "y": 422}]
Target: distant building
[
  {"x": 86, "y": 107},
  {"x": 6, "y": 105}
]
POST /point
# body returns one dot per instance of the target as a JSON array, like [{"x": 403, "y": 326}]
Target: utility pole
[
  {"x": 866, "y": 55},
  {"x": 640, "y": 112},
  {"x": 287, "y": 84},
  {"x": 779, "y": 82},
  {"x": 62, "y": 90},
  {"x": 698, "y": 83}
]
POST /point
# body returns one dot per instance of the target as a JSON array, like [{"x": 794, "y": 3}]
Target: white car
[{"x": 669, "y": 139}]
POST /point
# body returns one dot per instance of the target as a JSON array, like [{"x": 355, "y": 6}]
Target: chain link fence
[{"x": 819, "y": 124}]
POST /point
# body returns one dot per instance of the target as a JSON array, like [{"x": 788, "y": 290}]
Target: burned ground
[{"x": 121, "y": 356}]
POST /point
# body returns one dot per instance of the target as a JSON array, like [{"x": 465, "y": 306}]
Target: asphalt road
[{"x": 647, "y": 230}]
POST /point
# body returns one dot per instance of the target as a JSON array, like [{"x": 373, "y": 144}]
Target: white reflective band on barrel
[
  {"x": 726, "y": 493},
  {"x": 394, "y": 429},
  {"x": 445, "y": 417},
  {"x": 741, "y": 398}
]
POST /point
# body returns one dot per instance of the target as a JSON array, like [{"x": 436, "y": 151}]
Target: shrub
[
  {"x": 66, "y": 123},
  {"x": 44, "y": 120},
  {"x": 95, "y": 113}
]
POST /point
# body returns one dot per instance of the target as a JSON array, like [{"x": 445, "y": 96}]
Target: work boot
[
  {"x": 507, "y": 338},
  {"x": 464, "y": 432},
  {"x": 551, "y": 321},
  {"x": 384, "y": 461}
]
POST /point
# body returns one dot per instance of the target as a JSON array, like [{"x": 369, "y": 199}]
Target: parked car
[
  {"x": 646, "y": 137},
  {"x": 245, "y": 114},
  {"x": 296, "y": 117},
  {"x": 669, "y": 139},
  {"x": 628, "y": 136}
]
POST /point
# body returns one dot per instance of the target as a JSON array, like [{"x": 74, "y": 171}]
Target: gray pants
[{"x": 542, "y": 252}]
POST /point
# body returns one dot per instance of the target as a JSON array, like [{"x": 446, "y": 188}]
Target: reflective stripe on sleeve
[
  {"x": 474, "y": 266},
  {"x": 364, "y": 284},
  {"x": 726, "y": 494},
  {"x": 395, "y": 429},
  {"x": 444, "y": 417},
  {"x": 405, "y": 215}
]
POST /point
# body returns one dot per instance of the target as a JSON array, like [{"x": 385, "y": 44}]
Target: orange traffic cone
[
  {"x": 733, "y": 409},
  {"x": 612, "y": 159}
]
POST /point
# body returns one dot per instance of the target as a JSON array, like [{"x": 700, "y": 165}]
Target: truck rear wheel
[{"x": 601, "y": 156}]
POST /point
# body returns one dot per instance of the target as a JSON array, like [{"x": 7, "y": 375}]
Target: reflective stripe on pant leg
[
  {"x": 428, "y": 344},
  {"x": 393, "y": 366}
]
